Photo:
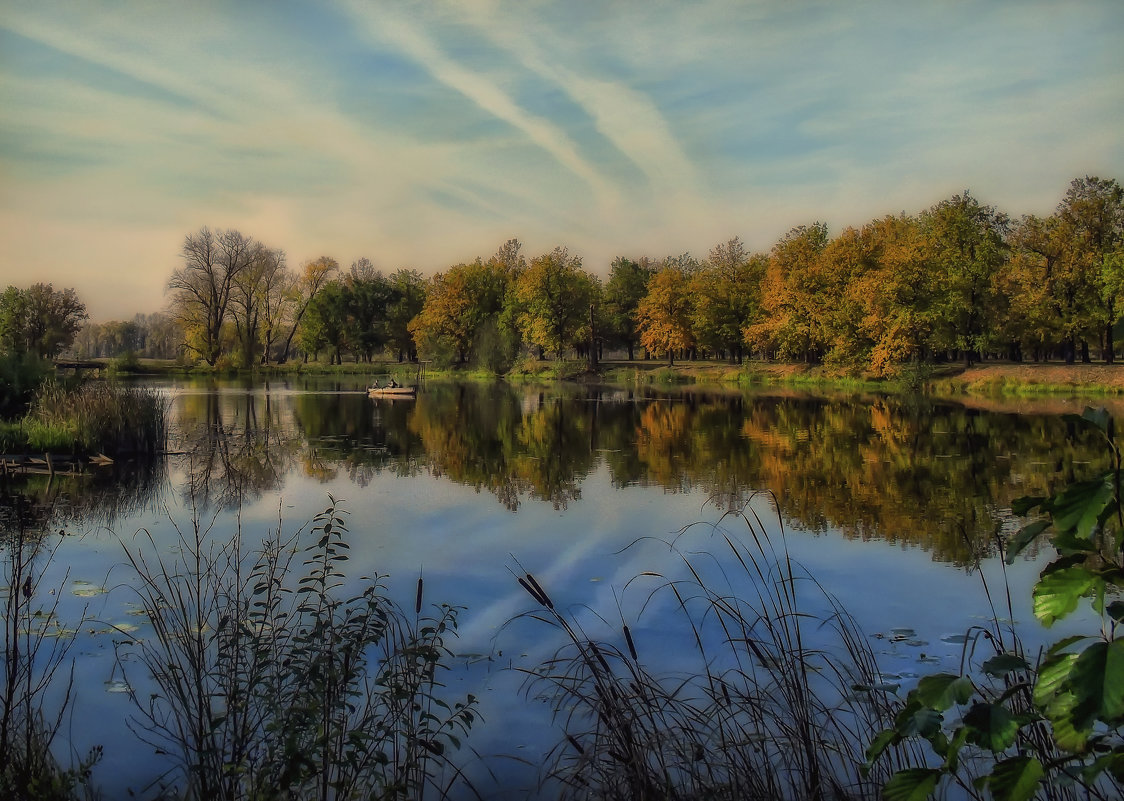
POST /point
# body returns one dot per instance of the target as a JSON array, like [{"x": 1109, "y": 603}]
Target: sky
[{"x": 425, "y": 134}]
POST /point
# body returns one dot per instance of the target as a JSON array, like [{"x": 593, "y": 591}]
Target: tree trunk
[{"x": 1109, "y": 345}]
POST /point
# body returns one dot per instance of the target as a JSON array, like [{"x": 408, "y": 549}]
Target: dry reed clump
[
  {"x": 772, "y": 709},
  {"x": 102, "y": 416}
]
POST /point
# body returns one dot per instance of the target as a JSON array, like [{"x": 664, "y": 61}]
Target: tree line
[{"x": 960, "y": 280}]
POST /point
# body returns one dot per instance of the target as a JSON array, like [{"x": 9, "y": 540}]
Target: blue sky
[{"x": 425, "y": 134}]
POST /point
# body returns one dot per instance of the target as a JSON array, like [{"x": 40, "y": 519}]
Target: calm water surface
[{"x": 894, "y": 505}]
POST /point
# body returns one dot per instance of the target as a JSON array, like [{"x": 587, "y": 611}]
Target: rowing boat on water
[{"x": 392, "y": 392}]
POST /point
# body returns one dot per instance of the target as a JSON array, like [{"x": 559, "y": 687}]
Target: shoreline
[{"x": 983, "y": 379}]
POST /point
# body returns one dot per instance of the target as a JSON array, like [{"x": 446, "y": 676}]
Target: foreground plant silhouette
[
  {"x": 1018, "y": 727},
  {"x": 268, "y": 684},
  {"x": 777, "y": 704}
]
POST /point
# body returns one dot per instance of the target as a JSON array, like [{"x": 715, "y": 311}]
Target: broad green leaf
[
  {"x": 1075, "y": 691},
  {"x": 911, "y": 784},
  {"x": 1015, "y": 779},
  {"x": 1053, "y": 675},
  {"x": 1057, "y": 592},
  {"x": 1098, "y": 680},
  {"x": 942, "y": 690},
  {"x": 1025, "y": 536},
  {"x": 1002, "y": 664},
  {"x": 880, "y": 743},
  {"x": 991, "y": 726},
  {"x": 918, "y": 721},
  {"x": 1079, "y": 506}
]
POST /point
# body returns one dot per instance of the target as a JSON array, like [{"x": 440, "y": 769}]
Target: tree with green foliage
[
  {"x": 40, "y": 320},
  {"x": 965, "y": 246},
  {"x": 555, "y": 296},
  {"x": 325, "y": 322},
  {"x": 627, "y": 285},
  {"x": 1092, "y": 214},
  {"x": 407, "y": 301},
  {"x": 726, "y": 297}
]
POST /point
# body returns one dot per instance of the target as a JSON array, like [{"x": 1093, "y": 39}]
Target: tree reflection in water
[{"x": 935, "y": 475}]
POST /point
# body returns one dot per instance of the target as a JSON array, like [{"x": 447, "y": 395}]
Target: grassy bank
[{"x": 991, "y": 378}]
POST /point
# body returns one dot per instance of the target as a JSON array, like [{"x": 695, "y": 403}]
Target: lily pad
[{"x": 84, "y": 589}]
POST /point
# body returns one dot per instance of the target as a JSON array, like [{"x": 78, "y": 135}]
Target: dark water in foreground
[{"x": 890, "y": 503}]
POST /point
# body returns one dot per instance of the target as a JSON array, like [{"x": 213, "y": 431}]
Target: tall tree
[
  {"x": 201, "y": 289},
  {"x": 726, "y": 293},
  {"x": 555, "y": 295},
  {"x": 1093, "y": 214},
  {"x": 628, "y": 283},
  {"x": 664, "y": 313},
  {"x": 39, "y": 320},
  {"x": 13, "y": 322},
  {"x": 314, "y": 275},
  {"x": 792, "y": 297},
  {"x": 368, "y": 301},
  {"x": 965, "y": 245},
  {"x": 407, "y": 301}
]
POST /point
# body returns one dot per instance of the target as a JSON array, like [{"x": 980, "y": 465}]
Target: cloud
[{"x": 386, "y": 27}]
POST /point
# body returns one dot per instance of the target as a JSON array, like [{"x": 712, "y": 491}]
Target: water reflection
[{"x": 933, "y": 475}]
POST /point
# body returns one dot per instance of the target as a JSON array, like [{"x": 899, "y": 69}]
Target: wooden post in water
[{"x": 592, "y": 340}]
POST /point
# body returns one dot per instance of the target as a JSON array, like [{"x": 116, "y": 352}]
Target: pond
[{"x": 894, "y": 505}]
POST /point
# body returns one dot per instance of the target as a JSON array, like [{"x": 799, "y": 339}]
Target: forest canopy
[{"x": 961, "y": 280}]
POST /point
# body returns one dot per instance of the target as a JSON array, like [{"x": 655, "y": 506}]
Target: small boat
[{"x": 392, "y": 392}]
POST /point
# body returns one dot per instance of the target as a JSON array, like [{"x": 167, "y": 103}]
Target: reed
[
  {"x": 271, "y": 682},
  {"x": 36, "y": 677},
  {"x": 765, "y": 713},
  {"x": 98, "y": 416}
]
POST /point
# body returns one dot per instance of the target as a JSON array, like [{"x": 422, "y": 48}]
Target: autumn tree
[
  {"x": 555, "y": 295},
  {"x": 664, "y": 313},
  {"x": 254, "y": 296},
  {"x": 314, "y": 275},
  {"x": 793, "y": 297},
  {"x": 884, "y": 316},
  {"x": 277, "y": 300},
  {"x": 1092, "y": 213},
  {"x": 627, "y": 285},
  {"x": 202, "y": 288},
  {"x": 1050, "y": 298},
  {"x": 463, "y": 303}
]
